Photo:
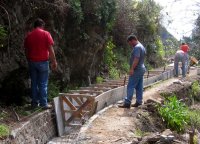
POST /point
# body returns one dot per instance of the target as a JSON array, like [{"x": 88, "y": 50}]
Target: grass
[
  {"x": 4, "y": 131},
  {"x": 140, "y": 133},
  {"x": 194, "y": 118}
]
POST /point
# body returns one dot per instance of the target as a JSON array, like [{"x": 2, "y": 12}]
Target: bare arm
[
  {"x": 135, "y": 63},
  {"x": 52, "y": 58}
]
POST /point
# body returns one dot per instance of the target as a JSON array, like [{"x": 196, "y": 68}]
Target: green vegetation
[
  {"x": 4, "y": 131},
  {"x": 194, "y": 116},
  {"x": 110, "y": 60},
  {"x": 140, "y": 133},
  {"x": 53, "y": 90},
  {"x": 99, "y": 79},
  {"x": 174, "y": 113},
  {"x": 106, "y": 14},
  {"x": 76, "y": 10},
  {"x": 122, "y": 61},
  {"x": 160, "y": 46},
  {"x": 195, "y": 91},
  {"x": 3, "y": 35}
]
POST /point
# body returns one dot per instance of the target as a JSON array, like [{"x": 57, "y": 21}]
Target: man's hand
[
  {"x": 131, "y": 72},
  {"x": 54, "y": 65}
]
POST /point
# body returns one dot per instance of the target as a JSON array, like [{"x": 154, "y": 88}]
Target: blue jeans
[
  {"x": 187, "y": 62},
  {"x": 39, "y": 73},
  {"x": 180, "y": 58},
  {"x": 135, "y": 82}
]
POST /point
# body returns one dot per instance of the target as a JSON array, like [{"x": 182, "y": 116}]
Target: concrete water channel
[{"x": 77, "y": 106}]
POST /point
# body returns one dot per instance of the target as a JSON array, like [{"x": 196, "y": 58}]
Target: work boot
[
  {"x": 47, "y": 107},
  {"x": 125, "y": 106},
  {"x": 136, "y": 104}
]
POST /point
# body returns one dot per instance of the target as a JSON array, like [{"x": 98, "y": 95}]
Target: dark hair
[
  {"x": 131, "y": 37},
  {"x": 183, "y": 43},
  {"x": 39, "y": 23}
]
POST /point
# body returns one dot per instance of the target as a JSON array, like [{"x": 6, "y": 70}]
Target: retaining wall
[
  {"x": 114, "y": 95},
  {"x": 38, "y": 130}
]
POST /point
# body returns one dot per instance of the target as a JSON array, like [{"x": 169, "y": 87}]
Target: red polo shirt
[
  {"x": 185, "y": 48},
  {"x": 37, "y": 45}
]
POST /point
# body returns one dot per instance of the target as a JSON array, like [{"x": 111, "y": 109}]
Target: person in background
[
  {"x": 136, "y": 73},
  {"x": 180, "y": 57},
  {"x": 184, "y": 47},
  {"x": 39, "y": 50}
]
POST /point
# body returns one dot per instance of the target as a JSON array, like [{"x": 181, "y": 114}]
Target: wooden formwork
[{"x": 76, "y": 107}]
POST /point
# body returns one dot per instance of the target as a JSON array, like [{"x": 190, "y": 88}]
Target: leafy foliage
[
  {"x": 3, "y": 35},
  {"x": 76, "y": 11},
  {"x": 174, "y": 113},
  {"x": 194, "y": 116},
  {"x": 110, "y": 59},
  {"x": 99, "y": 79},
  {"x": 106, "y": 13},
  {"x": 4, "y": 130},
  {"x": 195, "y": 91}
]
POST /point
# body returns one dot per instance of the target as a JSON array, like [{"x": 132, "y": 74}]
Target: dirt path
[{"x": 116, "y": 125}]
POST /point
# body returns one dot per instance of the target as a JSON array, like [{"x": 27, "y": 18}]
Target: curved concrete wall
[{"x": 112, "y": 96}]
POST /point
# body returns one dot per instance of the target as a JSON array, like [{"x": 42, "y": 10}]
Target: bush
[
  {"x": 194, "y": 118},
  {"x": 4, "y": 131},
  {"x": 99, "y": 79},
  {"x": 114, "y": 73},
  {"x": 195, "y": 91},
  {"x": 110, "y": 60},
  {"x": 174, "y": 113}
]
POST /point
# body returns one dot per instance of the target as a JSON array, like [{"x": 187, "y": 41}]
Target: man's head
[
  {"x": 39, "y": 23},
  {"x": 183, "y": 43},
  {"x": 132, "y": 40}
]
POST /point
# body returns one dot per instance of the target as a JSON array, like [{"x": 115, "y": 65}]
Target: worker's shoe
[
  {"x": 128, "y": 106},
  {"x": 47, "y": 107},
  {"x": 136, "y": 104}
]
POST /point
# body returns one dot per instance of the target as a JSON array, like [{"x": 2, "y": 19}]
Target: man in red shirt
[
  {"x": 184, "y": 47},
  {"x": 39, "y": 49}
]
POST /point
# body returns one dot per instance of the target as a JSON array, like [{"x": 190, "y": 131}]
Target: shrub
[
  {"x": 195, "y": 91},
  {"x": 99, "y": 79},
  {"x": 110, "y": 60},
  {"x": 174, "y": 113},
  {"x": 4, "y": 131},
  {"x": 114, "y": 73},
  {"x": 194, "y": 118}
]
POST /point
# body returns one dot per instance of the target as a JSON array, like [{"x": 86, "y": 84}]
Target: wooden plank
[
  {"x": 96, "y": 88},
  {"x": 76, "y": 95},
  {"x": 105, "y": 86},
  {"x": 68, "y": 103},
  {"x": 75, "y": 114},
  {"x": 86, "y": 91},
  {"x": 71, "y": 111}
]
